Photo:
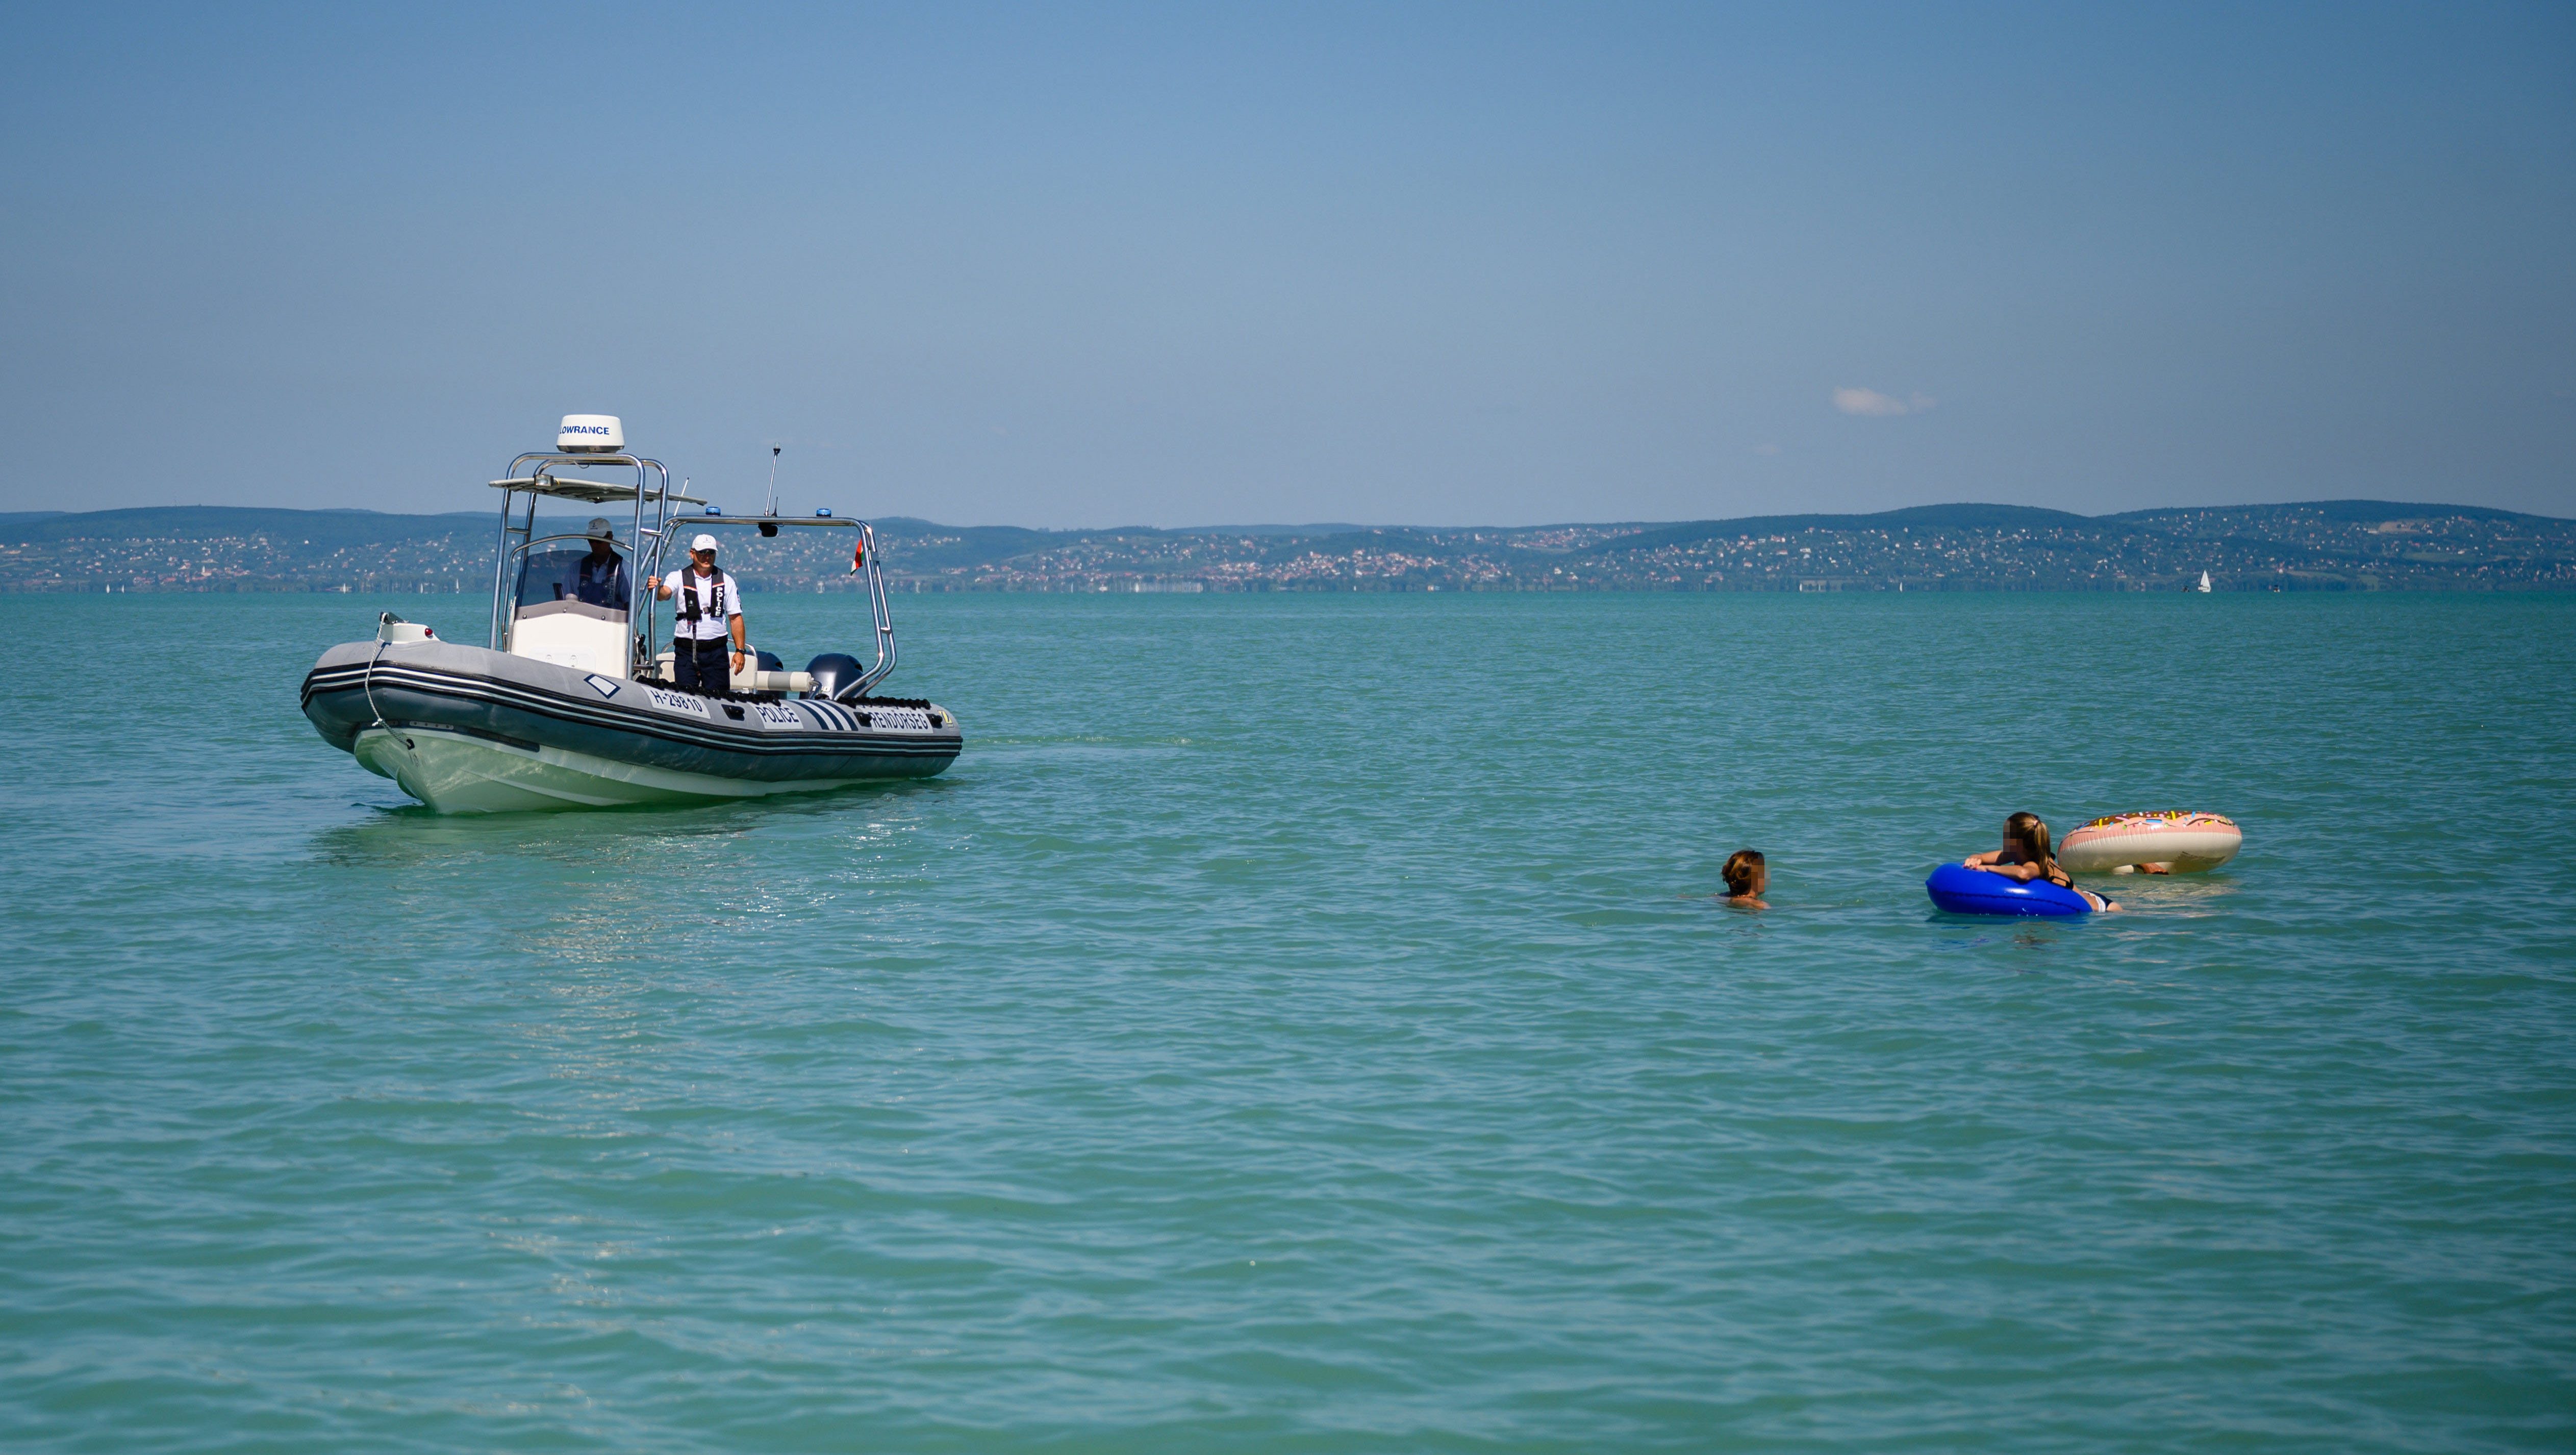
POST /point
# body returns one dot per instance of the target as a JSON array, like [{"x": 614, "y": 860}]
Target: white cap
[
  {"x": 601, "y": 530},
  {"x": 703, "y": 543}
]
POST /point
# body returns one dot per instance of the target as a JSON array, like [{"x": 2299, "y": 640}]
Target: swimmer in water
[
  {"x": 1746, "y": 877},
  {"x": 2025, "y": 856}
]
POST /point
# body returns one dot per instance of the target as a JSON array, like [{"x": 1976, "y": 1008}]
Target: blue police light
[
  {"x": 715, "y": 510},
  {"x": 823, "y": 514}
]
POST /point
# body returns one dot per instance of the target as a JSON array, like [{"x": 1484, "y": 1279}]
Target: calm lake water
[{"x": 1303, "y": 1024}]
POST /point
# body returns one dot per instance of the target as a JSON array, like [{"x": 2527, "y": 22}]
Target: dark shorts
[{"x": 702, "y": 666}]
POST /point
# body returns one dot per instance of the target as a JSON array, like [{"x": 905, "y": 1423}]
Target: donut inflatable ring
[
  {"x": 2184, "y": 842},
  {"x": 1962, "y": 890}
]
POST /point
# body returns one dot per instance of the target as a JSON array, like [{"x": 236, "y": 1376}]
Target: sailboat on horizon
[{"x": 2203, "y": 587}]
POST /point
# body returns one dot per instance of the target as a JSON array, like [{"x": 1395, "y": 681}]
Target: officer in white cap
[{"x": 710, "y": 611}]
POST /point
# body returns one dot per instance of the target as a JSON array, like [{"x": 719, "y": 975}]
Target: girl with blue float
[{"x": 2022, "y": 877}]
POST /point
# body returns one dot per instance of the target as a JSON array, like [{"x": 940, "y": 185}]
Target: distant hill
[
  {"x": 1917, "y": 517},
  {"x": 2320, "y": 545},
  {"x": 1318, "y": 529},
  {"x": 2326, "y": 545},
  {"x": 2343, "y": 510}
]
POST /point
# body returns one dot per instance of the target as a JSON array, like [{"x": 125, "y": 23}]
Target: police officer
[
  {"x": 600, "y": 577},
  {"x": 710, "y": 610}
]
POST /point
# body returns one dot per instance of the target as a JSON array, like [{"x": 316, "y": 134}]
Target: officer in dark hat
[{"x": 600, "y": 577}]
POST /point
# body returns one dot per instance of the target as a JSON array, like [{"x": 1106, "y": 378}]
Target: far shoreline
[{"x": 2334, "y": 546}]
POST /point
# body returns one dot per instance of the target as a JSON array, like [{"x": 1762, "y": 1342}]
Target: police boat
[{"x": 572, "y": 703}]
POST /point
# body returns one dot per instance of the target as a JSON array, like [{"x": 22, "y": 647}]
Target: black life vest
[{"x": 713, "y": 586}]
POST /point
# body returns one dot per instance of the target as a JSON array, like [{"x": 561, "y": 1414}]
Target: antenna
[{"x": 773, "y": 479}]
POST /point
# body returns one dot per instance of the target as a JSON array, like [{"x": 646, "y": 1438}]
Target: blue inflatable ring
[{"x": 1962, "y": 890}]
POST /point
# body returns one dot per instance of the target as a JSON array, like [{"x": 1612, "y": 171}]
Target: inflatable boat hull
[{"x": 467, "y": 730}]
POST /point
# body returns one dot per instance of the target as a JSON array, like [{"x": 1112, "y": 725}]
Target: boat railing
[
  {"x": 881, "y": 615},
  {"x": 884, "y": 618}
]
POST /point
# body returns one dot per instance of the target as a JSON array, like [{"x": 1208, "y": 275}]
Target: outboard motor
[
  {"x": 767, "y": 661},
  {"x": 834, "y": 674}
]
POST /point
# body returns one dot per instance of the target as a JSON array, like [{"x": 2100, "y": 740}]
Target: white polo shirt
[{"x": 716, "y": 601}]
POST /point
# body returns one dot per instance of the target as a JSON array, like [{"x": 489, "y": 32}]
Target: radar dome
[{"x": 591, "y": 434}]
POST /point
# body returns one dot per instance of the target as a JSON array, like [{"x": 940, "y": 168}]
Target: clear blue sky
[{"x": 1068, "y": 265}]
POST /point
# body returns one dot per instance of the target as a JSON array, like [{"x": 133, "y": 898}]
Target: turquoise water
[{"x": 1302, "y": 1024}]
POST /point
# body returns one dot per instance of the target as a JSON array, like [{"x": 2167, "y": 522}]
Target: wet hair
[
  {"x": 1742, "y": 868},
  {"x": 2028, "y": 834}
]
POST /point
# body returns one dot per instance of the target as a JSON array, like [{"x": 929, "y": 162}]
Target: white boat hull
[
  {"x": 457, "y": 773},
  {"x": 469, "y": 730}
]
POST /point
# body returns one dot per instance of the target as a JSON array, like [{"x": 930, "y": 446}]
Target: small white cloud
[{"x": 1871, "y": 402}]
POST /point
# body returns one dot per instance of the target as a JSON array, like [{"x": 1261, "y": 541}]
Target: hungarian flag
[{"x": 859, "y": 557}]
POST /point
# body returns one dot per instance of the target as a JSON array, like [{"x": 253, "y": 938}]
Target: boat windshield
[{"x": 575, "y": 575}]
